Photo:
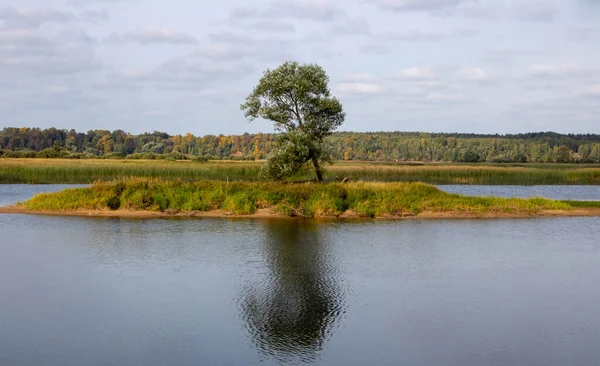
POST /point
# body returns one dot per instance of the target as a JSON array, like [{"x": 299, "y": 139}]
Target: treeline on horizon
[{"x": 540, "y": 147}]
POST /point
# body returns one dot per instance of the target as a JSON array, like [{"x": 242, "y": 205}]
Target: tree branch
[
  {"x": 284, "y": 105},
  {"x": 297, "y": 110}
]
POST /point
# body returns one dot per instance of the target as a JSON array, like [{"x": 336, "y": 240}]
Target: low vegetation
[
  {"x": 302, "y": 199},
  {"x": 583, "y": 204},
  {"x": 42, "y": 171}
]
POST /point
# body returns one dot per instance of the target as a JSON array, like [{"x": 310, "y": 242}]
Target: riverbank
[
  {"x": 270, "y": 214},
  {"x": 69, "y": 171},
  {"x": 138, "y": 197}
]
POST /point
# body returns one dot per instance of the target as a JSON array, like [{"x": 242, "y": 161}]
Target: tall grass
[
  {"x": 39, "y": 171},
  {"x": 554, "y": 174},
  {"x": 43, "y": 171},
  {"x": 303, "y": 199}
]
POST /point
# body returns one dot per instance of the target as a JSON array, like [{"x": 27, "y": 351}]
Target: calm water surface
[
  {"x": 577, "y": 193},
  {"x": 13, "y": 193},
  {"x": 106, "y": 291}
]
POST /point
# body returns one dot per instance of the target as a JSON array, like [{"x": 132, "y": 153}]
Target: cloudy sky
[{"x": 179, "y": 66}]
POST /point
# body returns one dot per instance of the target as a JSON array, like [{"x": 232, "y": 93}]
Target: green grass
[
  {"x": 583, "y": 204},
  {"x": 302, "y": 199},
  {"x": 45, "y": 171}
]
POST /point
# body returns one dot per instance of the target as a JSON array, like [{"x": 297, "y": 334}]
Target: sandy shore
[{"x": 267, "y": 213}]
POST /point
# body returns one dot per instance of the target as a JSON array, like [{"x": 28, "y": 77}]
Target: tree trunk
[{"x": 317, "y": 169}]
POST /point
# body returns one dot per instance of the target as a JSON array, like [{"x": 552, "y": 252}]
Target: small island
[{"x": 143, "y": 197}]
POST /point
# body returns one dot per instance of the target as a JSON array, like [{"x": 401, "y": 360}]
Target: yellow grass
[{"x": 88, "y": 171}]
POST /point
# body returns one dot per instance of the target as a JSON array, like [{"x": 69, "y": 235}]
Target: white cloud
[
  {"x": 317, "y": 10},
  {"x": 366, "y": 77},
  {"x": 131, "y": 74},
  {"x": 184, "y": 73},
  {"x": 94, "y": 16},
  {"x": 359, "y": 88},
  {"x": 268, "y": 26},
  {"x": 411, "y": 36},
  {"x": 353, "y": 27},
  {"x": 584, "y": 34},
  {"x": 82, "y": 3},
  {"x": 227, "y": 51},
  {"x": 538, "y": 70},
  {"x": 592, "y": 91},
  {"x": 75, "y": 35},
  {"x": 68, "y": 63},
  {"x": 363, "y": 84},
  {"x": 323, "y": 10},
  {"x": 554, "y": 70},
  {"x": 23, "y": 37},
  {"x": 236, "y": 46},
  {"x": 417, "y": 73},
  {"x": 472, "y": 74},
  {"x": 153, "y": 36},
  {"x": 32, "y": 53},
  {"x": 508, "y": 55},
  {"x": 374, "y": 49},
  {"x": 532, "y": 10},
  {"x": 58, "y": 89},
  {"x": 446, "y": 97},
  {"x": 418, "y": 5},
  {"x": 426, "y": 36},
  {"x": 466, "y": 33},
  {"x": 512, "y": 10},
  {"x": 34, "y": 17},
  {"x": 417, "y": 87}
]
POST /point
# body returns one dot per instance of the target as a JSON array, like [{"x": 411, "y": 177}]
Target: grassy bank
[
  {"x": 45, "y": 171},
  {"x": 304, "y": 200}
]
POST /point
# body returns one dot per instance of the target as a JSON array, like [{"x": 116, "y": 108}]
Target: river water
[
  {"x": 109, "y": 291},
  {"x": 13, "y": 193},
  {"x": 576, "y": 193}
]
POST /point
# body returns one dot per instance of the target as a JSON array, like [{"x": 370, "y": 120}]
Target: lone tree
[{"x": 297, "y": 99}]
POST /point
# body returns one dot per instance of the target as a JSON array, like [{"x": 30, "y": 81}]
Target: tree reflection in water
[{"x": 291, "y": 305}]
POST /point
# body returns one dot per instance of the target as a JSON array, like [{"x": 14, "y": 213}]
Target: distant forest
[{"x": 363, "y": 146}]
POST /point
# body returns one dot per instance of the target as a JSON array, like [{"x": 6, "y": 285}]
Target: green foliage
[
  {"x": 113, "y": 156},
  {"x": 17, "y": 154},
  {"x": 175, "y": 155},
  {"x": 200, "y": 159},
  {"x": 293, "y": 151},
  {"x": 583, "y": 204},
  {"x": 306, "y": 199},
  {"x": 11, "y": 154},
  {"x": 240, "y": 203},
  {"x": 153, "y": 147},
  {"x": 149, "y": 156},
  {"x": 298, "y": 101},
  {"x": 471, "y": 157},
  {"x": 564, "y": 155},
  {"x": 50, "y": 153},
  {"x": 520, "y": 158}
]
